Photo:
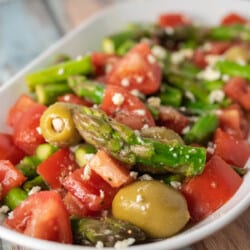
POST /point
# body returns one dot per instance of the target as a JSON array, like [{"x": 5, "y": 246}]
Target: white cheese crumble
[
  {"x": 139, "y": 79},
  {"x": 241, "y": 62},
  {"x": 225, "y": 78},
  {"x": 140, "y": 112},
  {"x": 213, "y": 184},
  {"x": 79, "y": 57},
  {"x": 133, "y": 174},
  {"x": 209, "y": 74},
  {"x": 145, "y": 126},
  {"x": 88, "y": 157},
  {"x": 57, "y": 124},
  {"x": 207, "y": 46},
  {"x": 102, "y": 194},
  {"x": 118, "y": 99},
  {"x": 179, "y": 56},
  {"x": 145, "y": 177},
  {"x": 86, "y": 172},
  {"x": 151, "y": 59},
  {"x": 139, "y": 198},
  {"x": 190, "y": 96},
  {"x": 108, "y": 68},
  {"x": 154, "y": 101},
  {"x": 216, "y": 95},
  {"x": 175, "y": 184},
  {"x": 4, "y": 209},
  {"x": 99, "y": 244},
  {"x": 39, "y": 130},
  {"x": 60, "y": 71},
  {"x": 137, "y": 93},
  {"x": 169, "y": 30},
  {"x": 124, "y": 243},
  {"x": 213, "y": 59},
  {"x": 34, "y": 190},
  {"x": 185, "y": 130},
  {"x": 159, "y": 52},
  {"x": 125, "y": 82}
]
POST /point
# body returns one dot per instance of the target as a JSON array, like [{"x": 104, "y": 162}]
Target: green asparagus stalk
[
  {"x": 60, "y": 72},
  {"x": 231, "y": 32},
  {"x": 28, "y": 166},
  {"x": 43, "y": 151},
  {"x": 91, "y": 90},
  {"x": 47, "y": 94},
  {"x": 83, "y": 152},
  {"x": 35, "y": 182},
  {"x": 170, "y": 96},
  {"x": 108, "y": 231},
  {"x": 14, "y": 197},
  {"x": 202, "y": 129},
  {"x": 233, "y": 69},
  {"x": 127, "y": 146}
]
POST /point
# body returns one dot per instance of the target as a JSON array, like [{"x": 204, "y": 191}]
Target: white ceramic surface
[{"x": 86, "y": 38}]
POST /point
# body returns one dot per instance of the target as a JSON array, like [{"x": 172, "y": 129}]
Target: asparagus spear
[
  {"x": 202, "y": 129},
  {"x": 28, "y": 166},
  {"x": 233, "y": 69},
  {"x": 127, "y": 146},
  {"x": 60, "y": 72},
  {"x": 35, "y": 182},
  {"x": 91, "y": 90},
  {"x": 87, "y": 231},
  {"x": 14, "y": 197}
]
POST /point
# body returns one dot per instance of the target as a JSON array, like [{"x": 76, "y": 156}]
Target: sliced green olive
[
  {"x": 58, "y": 127},
  {"x": 155, "y": 207},
  {"x": 237, "y": 53}
]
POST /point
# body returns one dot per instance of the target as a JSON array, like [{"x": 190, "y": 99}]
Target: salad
[{"x": 132, "y": 143}]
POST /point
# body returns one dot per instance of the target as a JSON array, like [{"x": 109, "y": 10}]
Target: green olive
[
  {"x": 158, "y": 209},
  {"x": 58, "y": 127},
  {"x": 237, "y": 53}
]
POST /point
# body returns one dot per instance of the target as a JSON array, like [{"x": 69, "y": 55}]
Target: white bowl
[{"x": 86, "y": 38}]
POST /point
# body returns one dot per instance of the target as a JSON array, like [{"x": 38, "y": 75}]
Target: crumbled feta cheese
[
  {"x": 139, "y": 198},
  {"x": 213, "y": 184},
  {"x": 4, "y": 209},
  {"x": 57, "y": 124},
  {"x": 179, "y": 56},
  {"x": 11, "y": 215},
  {"x": 241, "y": 62},
  {"x": 137, "y": 93},
  {"x": 39, "y": 131},
  {"x": 145, "y": 126},
  {"x": 88, "y": 157},
  {"x": 213, "y": 59},
  {"x": 151, "y": 59},
  {"x": 60, "y": 71},
  {"x": 133, "y": 174},
  {"x": 86, "y": 172},
  {"x": 145, "y": 177},
  {"x": 169, "y": 30},
  {"x": 125, "y": 82},
  {"x": 108, "y": 68},
  {"x": 79, "y": 57},
  {"x": 185, "y": 130},
  {"x": 124, "y": 243},
  {"x": 216, "y": 95},
  {"x": 140, "y": 112},
  {"x": 139, "y": 79},
  {"x": 118, "y": 99},
  {"x": 159, "y": 52},
  {"x": 207, "y": 46},
  {"x": 225, "y": 78},
  {"x": 190, "y": 96},
  {"x": 209, "y": 74},
  {"x": 34, "y": 190},
  {"x": 175, "y": 184},
  {"x": 102, "y": 194},
  {"x": 154, "y": 102},
  {"x": 99, "y": 244}
]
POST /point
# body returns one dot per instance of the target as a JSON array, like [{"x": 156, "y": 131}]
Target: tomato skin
[
  {"x": 8, "y": 150},
  {"x": 26, "y": 134},
  {"x": 238, "y": 89},
  {"x": 233, "y": 151},
  {"x": 23, "y": 104},
  {"x": 42, "y": 215},
  {"x": 233, "y": 18},
  {"x": 127, "y": 112},
  {"x": 71, "y": 98},
  {"x": 137, "y": 70},
  {"x": 102, "y": 61},
  {"x": 171, "y": 118},
  {"x": 88, "y": 189},
  {"x": 212, "y": 189},
  {"x": 233, "y": 121},
  {"x": 57, "y": 167},
  {"x": 173, "y": 20},
  {"x": 10, "y": 177}
]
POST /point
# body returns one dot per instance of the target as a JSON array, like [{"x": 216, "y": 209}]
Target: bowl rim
[{"x": 180, "y": 240}]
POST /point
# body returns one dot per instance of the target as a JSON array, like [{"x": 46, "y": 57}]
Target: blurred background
[{"x": 28, "y": 27}]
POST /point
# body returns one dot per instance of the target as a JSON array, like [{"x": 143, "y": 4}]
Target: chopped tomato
[
  {"x": 171, "y": 118},
  {"x": 23, "y": 103},
  {"x": 10, "y": 177},
  {"x": 103, "y": 62},
  {"x": 233, "y": 151},
  {"x": 95, "y": 193},
  {"x": 214, "y": 48},
  {"x": 233, "y": 18},
  {"x": 173, "y": 20},
  {"x": 238, "y": 89},
  {"x": 57, "y": 167},
  {"x": 71, "y": 98},
  {"x": 233, "y": 122},
  {"x": 126, "y": 108},
  {"x": 27, "y": 135},
  {"x": 138, "y": 69},
  {"x": 212, "y": 189},
  {"x": 75, "y": 207},
  {"x": 111, "y": 170},
  {"x": 8, "y": 150},
  {"x": 42, "y": 215}
]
